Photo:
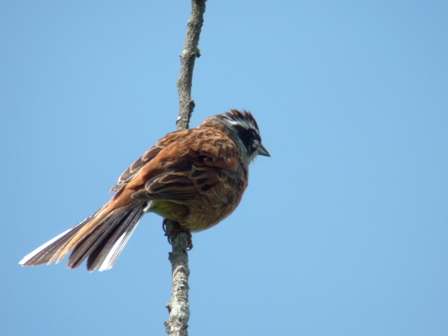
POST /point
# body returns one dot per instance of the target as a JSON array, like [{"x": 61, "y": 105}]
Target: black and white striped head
[{"x": 243, "y": 129}]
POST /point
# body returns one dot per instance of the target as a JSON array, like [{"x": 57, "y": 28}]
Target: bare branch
[
  {"x": 187, "y": 59},
  {"x": 178, "y": 307}
]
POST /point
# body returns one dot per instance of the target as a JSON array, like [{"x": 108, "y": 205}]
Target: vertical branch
[
  {"x": 178, "y": 306},
  {"x": 187, "y": 59}
]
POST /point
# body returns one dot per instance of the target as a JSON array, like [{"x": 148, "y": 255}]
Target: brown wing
[
  {"x": 193, "y": 166},
  {"x": 134, "y": 168},
  {"x": 183, "y": 184}
]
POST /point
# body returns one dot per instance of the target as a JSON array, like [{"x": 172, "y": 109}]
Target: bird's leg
[{"x": 177, "y": 229}]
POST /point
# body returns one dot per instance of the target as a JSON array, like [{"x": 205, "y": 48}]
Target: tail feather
[
  {"x": 98, "y": 245},
  {"x": 106, "y": 253},
  {"x": 101, "y": 245},
  {"x": 86, "y": 245},
  {"x": 48, "y": 252}
]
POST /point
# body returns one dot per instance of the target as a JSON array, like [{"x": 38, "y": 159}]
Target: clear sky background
[{"x": 343, "y": 231}]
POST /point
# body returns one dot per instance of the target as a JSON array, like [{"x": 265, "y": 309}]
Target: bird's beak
[{"x": 263, "y": 151}]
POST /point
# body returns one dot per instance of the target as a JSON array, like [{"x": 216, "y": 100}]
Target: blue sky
[{"x": 343, "y": 231}]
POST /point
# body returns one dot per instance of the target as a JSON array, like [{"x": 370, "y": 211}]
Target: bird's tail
[{"x": 100, "y": 238}]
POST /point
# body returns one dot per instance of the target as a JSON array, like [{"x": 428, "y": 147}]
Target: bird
[{"x": 195, "y": 177}]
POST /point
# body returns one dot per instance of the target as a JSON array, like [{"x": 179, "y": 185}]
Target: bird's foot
[{"x": 177, "y": 229}]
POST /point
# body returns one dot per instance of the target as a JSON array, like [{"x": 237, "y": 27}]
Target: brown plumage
[{"x": 196, "y": 177}]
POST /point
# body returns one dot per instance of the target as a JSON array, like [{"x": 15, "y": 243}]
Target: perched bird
[{"x": 196, "y": 177}]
